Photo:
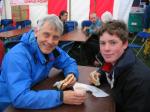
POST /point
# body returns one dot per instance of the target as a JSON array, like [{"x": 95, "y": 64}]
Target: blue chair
[
  {"x": 134, "y": 46},
  {"x": 66, "y": 45},
  {"x": 23, "y": 24},
  {"x": 2, "y": 30},
  {"x": 8, "y": 28},
  {"x": 26, "y": 23},
  {"x": 19, "y": 24},
  {"x": 70, "y": 26},
  {"x": 6, "y": 22},
  {"x": 138, "y": 47},
  {"x": 86, "y": 23}
]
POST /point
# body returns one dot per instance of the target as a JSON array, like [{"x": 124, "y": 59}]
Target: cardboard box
[{"x": 20, "y": 12}]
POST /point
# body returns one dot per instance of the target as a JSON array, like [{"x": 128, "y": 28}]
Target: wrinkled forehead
[
  {"x": 93, "y": 16},
  {"x": 50, "y": 26}
]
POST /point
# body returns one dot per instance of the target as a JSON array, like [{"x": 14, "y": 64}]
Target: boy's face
[{"x": 111, "y": 47}]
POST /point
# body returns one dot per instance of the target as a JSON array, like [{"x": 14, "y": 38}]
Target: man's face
[
  {"x": 64, "y": 17},
  {"x": 111, "y": 47},
  {"x": 47, "y": 38},
  {"x": 93, "y": 19}
]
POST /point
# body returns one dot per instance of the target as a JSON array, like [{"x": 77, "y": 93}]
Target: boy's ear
[{"x": 126, "y": 44}]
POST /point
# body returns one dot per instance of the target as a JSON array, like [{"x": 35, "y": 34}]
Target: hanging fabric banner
[
  {"x": 100, "y": 6},
  {"x": 56, "y": 6}
]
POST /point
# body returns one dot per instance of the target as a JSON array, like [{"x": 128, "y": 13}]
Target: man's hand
[
  {"x": 85, "y": 28},
  {"x": 68, "y": 81},
  {"x": 74, "y": 97},
  {"x": 94, "y": 78}
]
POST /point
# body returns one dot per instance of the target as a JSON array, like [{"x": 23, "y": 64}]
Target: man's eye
[
  {"x": 55, "y": 37},
  {"x": 46, "y": 34}
]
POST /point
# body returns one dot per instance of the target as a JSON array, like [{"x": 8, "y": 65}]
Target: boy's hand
[{"x": 94, "y": 78}]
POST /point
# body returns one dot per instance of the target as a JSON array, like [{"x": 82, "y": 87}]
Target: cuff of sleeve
[
  {"x": 61, "y": 96},
  {"x": 101, "y": 72},
  {"x": 74, "y": 75}
]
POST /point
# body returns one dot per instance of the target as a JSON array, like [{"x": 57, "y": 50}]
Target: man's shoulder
[
  {"x": 99, "y": 22},
  {"x": 18, "y": 50}
]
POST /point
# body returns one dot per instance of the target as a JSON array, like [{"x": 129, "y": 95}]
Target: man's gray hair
[
  {"x": 53, "y": 20},
  {"x": 106, "y": 17}
]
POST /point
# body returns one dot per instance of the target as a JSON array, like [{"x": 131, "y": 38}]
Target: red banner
[
  {"x": 56, "y": 6},
  {"x": 100, "y": 6}
]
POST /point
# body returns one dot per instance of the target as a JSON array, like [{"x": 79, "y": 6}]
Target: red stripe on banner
[
  {"x": 100, "y": 6},
  {"x": 28, "y": 14},
  {"x": 92, "y": 6},
  {"x": 56, "y": 6}
]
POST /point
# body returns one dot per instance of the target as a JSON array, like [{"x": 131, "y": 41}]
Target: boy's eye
[
  {"x": 101, "y": 43},
  {"x": 113, "y": 42}
]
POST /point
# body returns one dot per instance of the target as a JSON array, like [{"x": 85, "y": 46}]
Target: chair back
[
  {"x": 19, "y": 24},
  {"x": 143, "y": 35},
  {"x": 8, "y": 28},
  {"x": 6, "y": 22},
  {"x": 26, "y": 23},
  {"x": 66, "y": 45},
  {"x": 70, "y": 26},
  {"x": 23, "y": 24},
  {"x": 86, "y": 23},
  {"x": 136, "y": 45},
  {"x": 2, "y": 30}
]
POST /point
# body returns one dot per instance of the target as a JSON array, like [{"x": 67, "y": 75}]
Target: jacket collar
[
  {"x": 51, "y": 57},
  {"x": 124, "y": 63}
]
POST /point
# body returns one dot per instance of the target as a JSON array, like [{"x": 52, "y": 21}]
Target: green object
[{"x": 135, "y": 22}]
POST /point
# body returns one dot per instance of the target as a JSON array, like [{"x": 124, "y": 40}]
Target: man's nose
[{"x": 50, "y": 40}]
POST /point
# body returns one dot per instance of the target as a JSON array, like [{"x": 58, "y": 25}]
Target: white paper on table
[{"x": 94, "y": 90}]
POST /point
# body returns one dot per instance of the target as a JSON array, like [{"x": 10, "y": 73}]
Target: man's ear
[{"x": 36, "y": 31}]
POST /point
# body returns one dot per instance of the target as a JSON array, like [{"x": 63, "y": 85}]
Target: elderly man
[
  {"x": 94, "y": 27},
  {"x": 96, "y": 23},
  {"x": 30, "y": 61},
  {"x": 92, "y": 45}
]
